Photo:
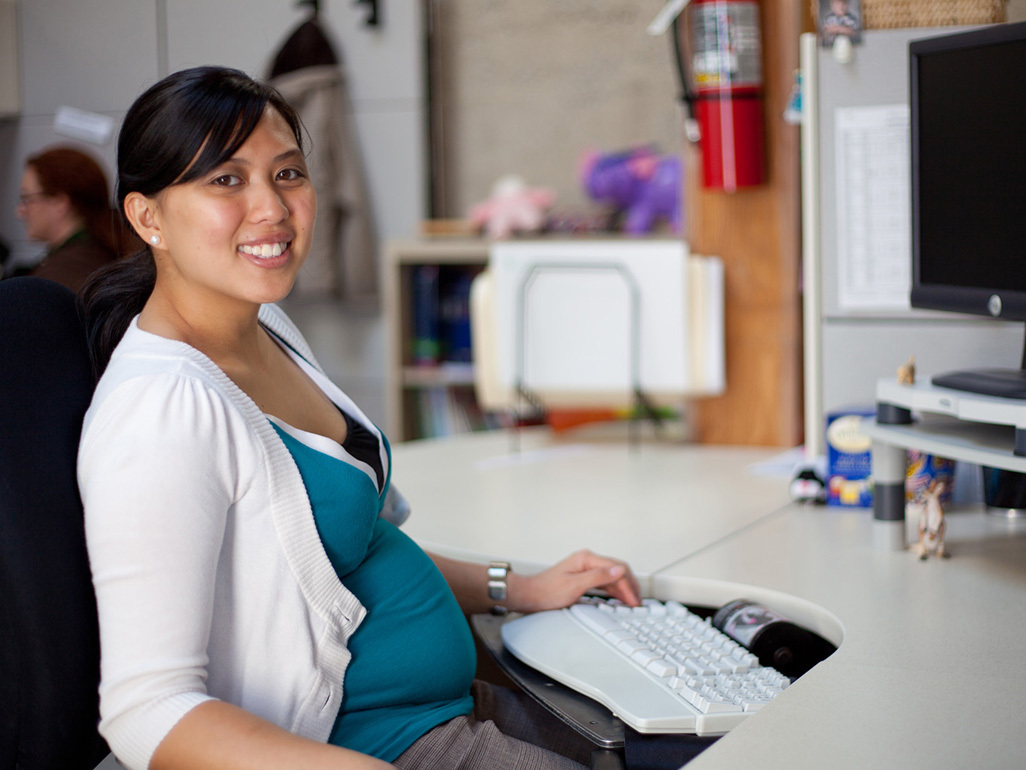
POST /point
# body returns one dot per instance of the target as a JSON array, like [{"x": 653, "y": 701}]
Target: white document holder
[{"x": 591, "y": 322}]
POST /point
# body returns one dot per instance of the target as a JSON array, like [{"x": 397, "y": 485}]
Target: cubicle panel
[
  {"x": 857, "y": 354},
  {"x": 863, "y": 136},
  {"x": 858, "y": 321}
]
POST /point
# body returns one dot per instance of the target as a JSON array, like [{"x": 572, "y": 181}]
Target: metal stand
[
  {"x": 889, "y": 471},
  {"x": 642, "y": 407}
]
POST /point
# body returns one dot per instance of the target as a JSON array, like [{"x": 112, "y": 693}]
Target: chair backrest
[{"x": 49, "y": 641}]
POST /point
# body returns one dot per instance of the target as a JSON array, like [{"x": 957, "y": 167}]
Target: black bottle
[{"x": 772, "y": 638}]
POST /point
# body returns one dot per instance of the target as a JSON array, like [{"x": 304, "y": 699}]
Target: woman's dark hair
[
  {"x": 72, "y": 173},
  {"x": 181, "y": 128}
]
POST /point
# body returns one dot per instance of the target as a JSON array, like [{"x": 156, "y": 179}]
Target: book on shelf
[
  {"x": 425, "y": 341},
  {"x": 441, "y": 314},
  {"x": 448, "y": 411},
  {"x": 454, "y": 315}
]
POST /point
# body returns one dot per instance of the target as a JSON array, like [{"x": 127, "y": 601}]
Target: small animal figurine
[
  {"x": 641, "y": 182},
  {"x": 931, "y": 524},
  {"x": 907, "y": 372},
  {"x": 512, "y": 208}
]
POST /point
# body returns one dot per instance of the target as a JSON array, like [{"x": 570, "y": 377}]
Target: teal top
[{"x": 413, "y": 656}]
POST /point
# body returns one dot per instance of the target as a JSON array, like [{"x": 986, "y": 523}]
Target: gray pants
[{"x": 506, "y": 731}]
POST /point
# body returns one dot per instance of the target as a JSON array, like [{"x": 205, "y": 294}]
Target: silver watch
[{"x": 497, "y": 587}]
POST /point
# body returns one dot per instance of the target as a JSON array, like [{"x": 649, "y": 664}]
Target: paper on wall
[{"x": 873, "y": 175}]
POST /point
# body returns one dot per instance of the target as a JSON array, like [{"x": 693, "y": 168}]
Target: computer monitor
[{"x": 968, "y": 131}]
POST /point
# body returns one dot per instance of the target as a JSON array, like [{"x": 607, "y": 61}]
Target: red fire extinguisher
[{"x": 723, "y": 52}]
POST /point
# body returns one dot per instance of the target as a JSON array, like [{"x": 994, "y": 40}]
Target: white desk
[
  {"x": 477, "y": 497},
  {"x": 915, "y": 682},
  {"x": 919, "y": 637}
]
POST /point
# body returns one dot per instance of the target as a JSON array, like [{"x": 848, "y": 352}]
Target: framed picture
[{"x": 840, "y": 17}]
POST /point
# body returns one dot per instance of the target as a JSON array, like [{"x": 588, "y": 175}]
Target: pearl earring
[{"x": 154, "y": 239}]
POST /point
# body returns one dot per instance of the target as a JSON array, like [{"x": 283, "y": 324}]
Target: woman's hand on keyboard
[{"x": 564, "y": 583}]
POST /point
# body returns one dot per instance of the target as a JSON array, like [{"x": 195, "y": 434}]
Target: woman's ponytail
[{"x": 111, "y": 298}]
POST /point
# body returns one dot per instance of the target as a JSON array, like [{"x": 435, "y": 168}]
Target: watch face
[{"x": 497, "y": 572}]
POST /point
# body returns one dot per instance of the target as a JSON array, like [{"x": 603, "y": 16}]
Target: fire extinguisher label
[{"x": 726, "y": 45}]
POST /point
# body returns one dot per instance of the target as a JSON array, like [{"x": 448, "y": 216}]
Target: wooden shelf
[{"x": 414, "y": 389}]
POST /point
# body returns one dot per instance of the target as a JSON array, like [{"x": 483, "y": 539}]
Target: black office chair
[{"x": 49, "y": 640}]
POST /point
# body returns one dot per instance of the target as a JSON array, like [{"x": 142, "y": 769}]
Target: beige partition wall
[{"x": 526, "y": 86}]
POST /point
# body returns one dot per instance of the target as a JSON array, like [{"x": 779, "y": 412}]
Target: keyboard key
[
  {"x": 644, "y": 657},
  {"x": 692, "y": 666},
  {"x": 680, "y": 661},
  {"x": 675, "y": 609},
  {"x": 661, "y": 667},
  {"x": 656, "y": 609},
  {"x": 631, "y": 646},
  {"x": 618, "y": 635},
  {"x": 694, "y": 697},
  {"x": 717, "y": 706},
  {"x": 595, "y": 618}
]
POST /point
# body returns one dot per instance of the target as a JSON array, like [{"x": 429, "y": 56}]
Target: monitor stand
[
  {"x": 1004, "y": 383},
  {"x": 1004, "y": 491}
]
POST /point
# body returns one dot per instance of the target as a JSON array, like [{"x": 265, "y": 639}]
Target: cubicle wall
[{"x": 857, "y": 237}]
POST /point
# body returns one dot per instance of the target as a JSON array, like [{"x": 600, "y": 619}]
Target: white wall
[{"x": 98, "y": 55}]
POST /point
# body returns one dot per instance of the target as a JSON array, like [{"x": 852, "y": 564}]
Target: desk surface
[
  {"x": 931, "y": 671},
  {"x": 932, "y": 668},
  {"x": 479, "y": 497}
]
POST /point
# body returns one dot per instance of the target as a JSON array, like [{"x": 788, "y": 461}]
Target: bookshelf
[{"x": 430, "y": 382}]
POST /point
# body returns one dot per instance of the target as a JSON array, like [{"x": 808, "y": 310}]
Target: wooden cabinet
[{"x": 429, "y": 394}]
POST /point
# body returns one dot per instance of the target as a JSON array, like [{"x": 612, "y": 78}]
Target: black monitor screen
[{"x": 968, "y": 126}]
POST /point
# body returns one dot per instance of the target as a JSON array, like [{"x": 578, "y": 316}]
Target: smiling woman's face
[{"x": 243, "y": 230}]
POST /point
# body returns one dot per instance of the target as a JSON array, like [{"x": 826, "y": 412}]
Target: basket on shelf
[{"x": 898, "y": 14}]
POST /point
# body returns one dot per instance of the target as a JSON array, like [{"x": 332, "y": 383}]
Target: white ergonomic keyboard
[{"x": 659, "y": 667}]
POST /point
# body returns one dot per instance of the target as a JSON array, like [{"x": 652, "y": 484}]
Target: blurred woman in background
[{"x": 64, "y": 201}]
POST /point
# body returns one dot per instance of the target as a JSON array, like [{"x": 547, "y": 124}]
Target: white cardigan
[{"x": 210, "y": 577}]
